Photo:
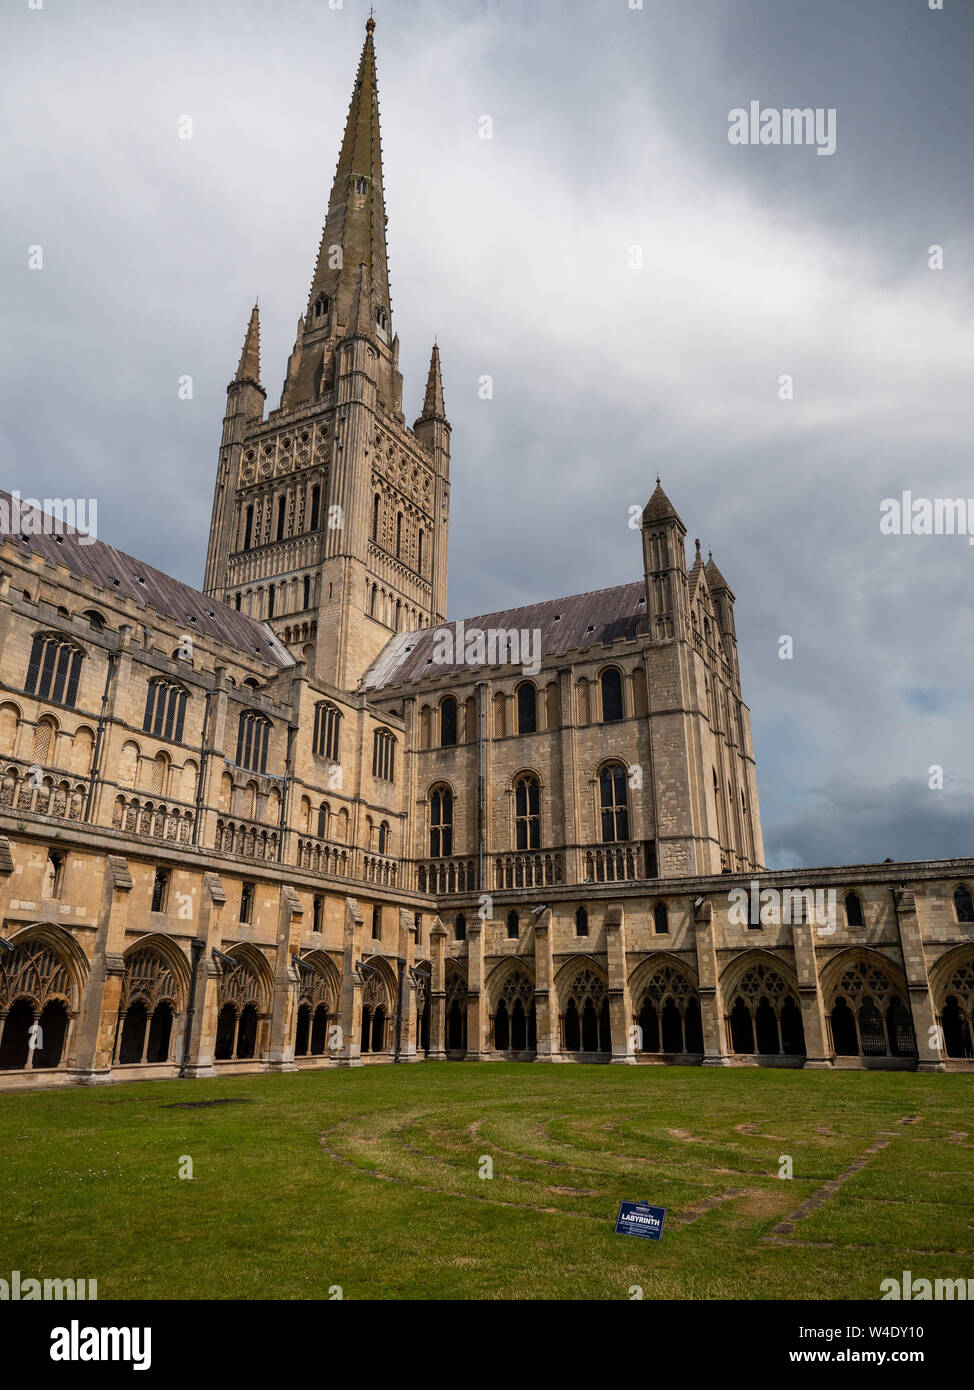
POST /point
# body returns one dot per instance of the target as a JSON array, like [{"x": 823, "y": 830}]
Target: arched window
[
  {"x": 460, "y": 927},
  {"x": 963, "y": 903},
  {"x": 321, "y": 306},
  {"x": 327, "y": 728},
  {"x": 95, "y": 620},
  {"x": 376, "y": 500},
  {"x": 611, "y": 695},
  {"x": 35, "y": 987},
  {"x": 586, "y": 1018},
  {"x": 361, "y": 186},
  {"x": 765, "y": 1018},
  {"x": 513, "y": 925},
  {"x": 384, "y": 837},
  {"x": 581, "y": 920},
  {"x": 270, "y": 601},
  {"x": 441, "y": 822},
  {"x": 419, "y": 552},
  {"x": 165, "y": 710},
  {"x": 869, "y": 1015},
  {"x": 527, "y": 813},
  {"x": 306, "y": 591},
  {"x": 398, "y": 534},
  {"x": 248, "y": 528},
  {"x": 384, "y": 756},
  {"x": 853, "y": 910},
  {"x": 448, "y": 722},
  {"x": 527, "y": 708},
  {"x": 281, "y": 516},
  {"x": 669, "y": 1014},
  {"x": 315, "y": 508},
  {"x": 323, "y": 821},
  {"x": 614, "y": 803},
  {"x": 661, "y": 918},
  {"x": 54, "y": 669},
  {"x": 253, "y": 735}
]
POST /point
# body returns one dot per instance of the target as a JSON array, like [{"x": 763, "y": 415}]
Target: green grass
[{"x": 91, "y": 1186}]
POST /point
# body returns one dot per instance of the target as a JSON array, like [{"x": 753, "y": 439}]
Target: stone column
[
  {"x": 478, "y": 1021},
  {"x": 929, "y": 1036},
  {"x": 545, "y": 999},
  {"x": 438, "y": 935},
  {"x": 280, "y": 1050},
  {"x": 93, "y": 1045},
  {"x": 206, "y": 998},
  {"x": 711, "y": 995},
  {"x": 350, "y": 1004},
  {"x": 620, "y": 1004},
  {"x": 810, "y": 994},
  {"x": 409, "y": 1025}
]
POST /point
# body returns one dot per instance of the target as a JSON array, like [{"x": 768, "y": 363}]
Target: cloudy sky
[{"x": 610, "y": 132}]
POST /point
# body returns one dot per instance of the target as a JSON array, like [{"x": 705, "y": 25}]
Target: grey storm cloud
[{"x": 518, "y": 253}]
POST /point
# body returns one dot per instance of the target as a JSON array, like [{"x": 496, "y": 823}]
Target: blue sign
[{"x": 640, "y": 1219}]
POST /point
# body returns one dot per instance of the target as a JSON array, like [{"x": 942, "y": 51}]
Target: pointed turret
[
  {"x": 249, "y": 366},
  {"x": 433, "y": 408},
  {"x": 715, "y": 579},
  {"x": 665, "y": 567},
  {"x": 723, "y": 597}
]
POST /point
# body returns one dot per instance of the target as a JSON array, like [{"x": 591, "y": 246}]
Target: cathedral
[{"x": 297, "y": 819}]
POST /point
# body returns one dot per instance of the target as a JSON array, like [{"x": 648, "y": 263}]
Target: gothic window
[
  {"x": 54, "y": 874},
  {"x": 661, "y": 919},
  {"x": 527, "y": 708},
  {"x": 314, "y": 518},
  {"x": 527, "y": 813},
  {"x": 376, "y": 502},
  {"x": 35, "y": 988},
  {"x": 281, "y": 517},
  {"x": 611, "y": 695},
  {"x": 765, "y": 1018},
  {"x": 361, "y": 186},
  {"x": 460, "y": 927},
  {"x": 381, "y": 317},
  {"x": 248, "y": 528},
  {"x": 441, "y": 822},
  {"x": 160, "y": 890},
  {"x": 306, "y": 591},
  {"x": 515, "y": 1026},
  {"x": 165, "y": 710},
  {"x": 148, "y": 1003},
  {"x": 241, "y": 1001},
  {"x": 513, "y": 925},
  {"x": 614, "y": 803},
  {"x": 869, "y": 1016},
  {"x": 963, "y": 903},
  {"x": 377, "y": 922},
  {"x": 253, "y": 734},
  {"x": 419, "y": 551},
  {"x": 384, "y": 756},
  {"x": 581, "y": 921},
  {"x": 317, "y": 912},
  {"x": 456, "y": 1011},
  {"x": 448, "y": 722},
  {"x": 54, "y": 669},
  {"x": 384, "y": 838},
  {"x": 323, "y": 820},
  {"x": 853, "y": 910},
  {"x": 585, "y": 1021},
  {"x": 957, "y": 1015},
  {"x": 669, "y": 1014},
  {"x": 246, "y": 902},
  {"x": 321, "y": 306},
  {"x": 45, "y": 734},
  {"x": 398, "y": 534},
  {"x": 236, "y": 602},
  {"x": 327, "y": 728}
]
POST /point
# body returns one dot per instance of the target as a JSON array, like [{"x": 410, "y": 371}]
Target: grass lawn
[{"x": 370, "y": 1180}]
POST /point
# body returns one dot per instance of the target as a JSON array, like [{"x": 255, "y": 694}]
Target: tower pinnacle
[{"x": 249, "y": 366}]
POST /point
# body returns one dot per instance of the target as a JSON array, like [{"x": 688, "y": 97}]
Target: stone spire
[
  {"x": 433, "y": 407},
  {"x": 249, "y": 368},
  {"x": 355, "y": 226}
]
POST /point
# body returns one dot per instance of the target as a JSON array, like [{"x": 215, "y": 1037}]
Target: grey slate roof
[
  {"x": 566, "y": 624},
  {"x": 150, "y": 588}
]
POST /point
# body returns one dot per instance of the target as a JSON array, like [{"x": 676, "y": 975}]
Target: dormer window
[
  {"x": 381, "y": 318},
  {"x": 361, "y": 186},
  {"x": 321, "y": 306}
]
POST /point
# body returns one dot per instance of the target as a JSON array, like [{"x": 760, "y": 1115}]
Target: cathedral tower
[{"x": 330, "y": 517}]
